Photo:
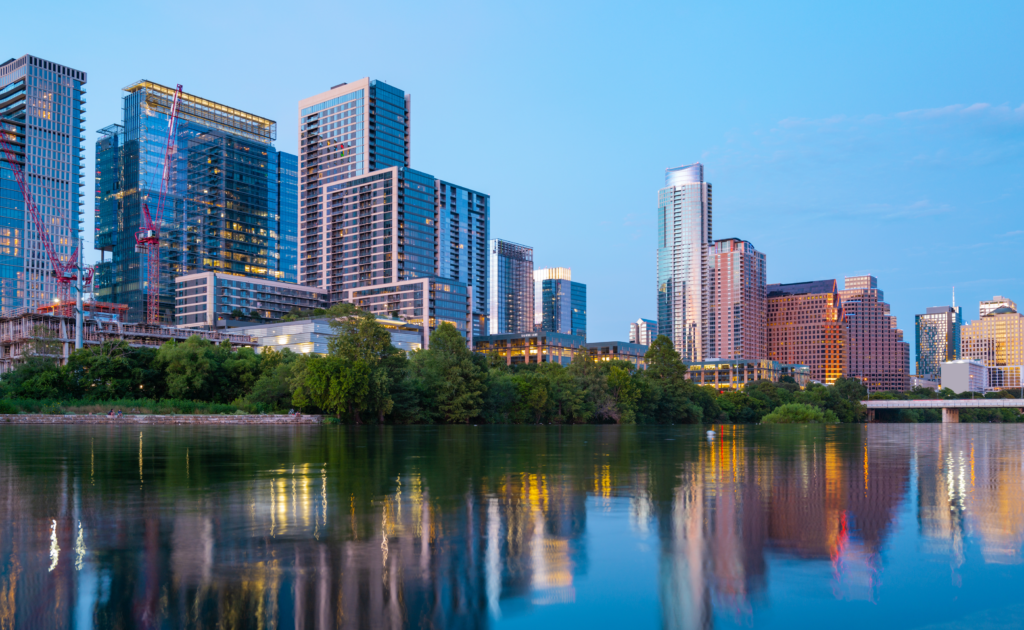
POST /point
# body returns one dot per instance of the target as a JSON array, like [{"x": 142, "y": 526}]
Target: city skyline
[{"x": 888, "y": 152}]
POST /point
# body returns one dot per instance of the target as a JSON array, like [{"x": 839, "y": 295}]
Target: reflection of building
[
  {"x": 684, "y": 242},
  {"x": 202, "y": 297},
  {"x": 542, "y": 347},
  {"x": 643, "y": 332},
  {"x": 735, "y": 374},
  {"x": 560, "y": 303},
  {"x": 997, "y": 340},
  {"x": 737, "y": 315},
  {"x": 937, "y": 333},
  {"x": 511, "y": 287},
  {"x": 876, "y": 350},
  {"x": 805, "y": 326}
]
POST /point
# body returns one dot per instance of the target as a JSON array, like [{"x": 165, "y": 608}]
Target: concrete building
[
  {"x": 876, "y": 350},
  {"x": 736, "y": 373},
  {"x": 805, "y": 326},
  {"x": 997, "y": 341},
  {"x": 920, "y": 381},
  {"x": 643, "y": 332},
  {"x": 619, "y": 351},
  {"x": 737, "y": 316},
  {"x": 937, "y": 334},
  {"x": 511, "y": 288},
  {"x": 560, "y": 305},
  {"x": 422, "y": 302},
  {"x": 211, "y": 300},
  {"x": 230, "y": 203},
  {"x": 684, "y": 243},
  {"x": 311, "y": 336},
  {"x": 42, "y": 111},
  {"x": 987, "y": 306},
  {"x": 964, "y": 375}
]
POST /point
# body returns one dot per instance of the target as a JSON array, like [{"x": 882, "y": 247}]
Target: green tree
[
  {"x": 669, "y": 392},
  {"x": 451, "y": 380},
  {"x": 112, "y": 370},
  {"x": 796, "y": 413},
  {"x": 192, "y": 368},
  {"x": 851, "y": 389}
]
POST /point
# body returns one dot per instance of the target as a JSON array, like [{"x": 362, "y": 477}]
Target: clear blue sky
[{"x": 841, "y": 138}]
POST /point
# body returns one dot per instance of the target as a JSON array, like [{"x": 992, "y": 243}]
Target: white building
[
  {"x": 310, "y": 336},
  {"x": 965, "y": 375}
]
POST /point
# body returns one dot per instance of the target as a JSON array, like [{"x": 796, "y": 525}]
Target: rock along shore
[{"x": 38, "y": 418}]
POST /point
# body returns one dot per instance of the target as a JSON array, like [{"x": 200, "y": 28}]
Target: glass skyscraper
[
  {"x": 684, "y": 240},
  {"x": 462, "y": 223},
  {"x": 560, "y": 305},
  {"x": 42, "y": 109},
  {"x": 230, "y": 197},
  {"x": 510, "y": 287},
  {"x": 937, "y": 332}
]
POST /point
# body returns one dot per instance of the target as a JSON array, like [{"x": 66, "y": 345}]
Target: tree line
[{"x": 363, "y": 379}]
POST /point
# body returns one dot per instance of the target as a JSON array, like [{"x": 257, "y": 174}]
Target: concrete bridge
[{"x": 950, "y": 408}]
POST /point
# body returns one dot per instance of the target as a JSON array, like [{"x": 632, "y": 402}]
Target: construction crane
[
  {"x": 65, "y": 273},
  {"x": 147, "y": 239}
]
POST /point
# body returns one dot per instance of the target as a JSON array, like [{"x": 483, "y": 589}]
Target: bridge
[{"x": 950, "y": 408}]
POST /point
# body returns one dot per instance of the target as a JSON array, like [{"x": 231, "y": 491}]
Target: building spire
[{"x": 954, "y": 297}]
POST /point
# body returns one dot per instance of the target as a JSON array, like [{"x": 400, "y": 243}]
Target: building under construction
[{"x": 46, "y": 332}]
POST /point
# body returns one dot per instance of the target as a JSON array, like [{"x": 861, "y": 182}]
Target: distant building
[
  {"x": 920, "y": 381},
  {"x": 535, "y": 348},
  {"x": 997, "y": 341},
  {"x": 987, "y": 306},
  {"x": 964, "y": 375},
  {"x": 619, "y": 351},
  {"x": 511, "y": 299},
  {"x": 684, "y": 242},
  {"x": 643, "y": 331},
  {"x": 737, "y": 314},
  {"x": 805, "y": 326},
  {"x": 311, "y": 336},
  {"x": 937, "y": 333},
  {"x": 735, "y": 373},
  {"x": 208, "y": 300},
  {"x": 560, "y": 305},
  {"x": 878, "y": 356}
]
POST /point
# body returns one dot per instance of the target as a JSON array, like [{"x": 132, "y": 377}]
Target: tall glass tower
[
  {"x": 511, "y": 288},
  {"x": 684, "y": 240},
  {"x": 560, "y": 305},
  {"x": 937, "y": 332},
  {"x": 42, "y": 116}
]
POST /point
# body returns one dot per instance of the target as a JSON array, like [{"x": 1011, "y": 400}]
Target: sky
[{"x": 841, "y": 138}]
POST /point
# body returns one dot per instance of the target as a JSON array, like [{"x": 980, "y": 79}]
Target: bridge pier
[{"x": 950, "y": 415}]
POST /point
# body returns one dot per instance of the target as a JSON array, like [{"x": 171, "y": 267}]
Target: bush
[
  {"x": 7, "y": 408},
  {"x": 797, "y": 413}
]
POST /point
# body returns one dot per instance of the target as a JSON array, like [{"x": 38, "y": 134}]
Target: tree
[
  {"x": 112, "y": 370},
  {"x": 670, "y": 391},
  {"x": 450, "y": 379},
  {"x": 192, "y": 369},
  {"x": 796, "y": 413},
  {"x": 851, "y": 389}
]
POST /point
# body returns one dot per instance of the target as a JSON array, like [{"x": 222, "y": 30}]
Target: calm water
[{"x": 511, "y": 527}]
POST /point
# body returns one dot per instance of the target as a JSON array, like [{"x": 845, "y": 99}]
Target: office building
[
  {"x": 964, "y": 375},
  {"x": 684, "y": 243},
  {"x": 937, "y": 334},
  {"x": 210, "y": 300},
  {"x": 532, "y": 347},
  {"x": 634, "y": 353},
  {"x": 560, "y": 305},
  {"x": 643, "y": 331},
  {"x": 987, "y": 306},
  {"x": 737, "y": 313},
  {"x": 42, "y": 113},
  {"x": 311, "y": 336},
  {"x": 805, "y": 326},
  {"x": 736, "y": 373},
  {"x": 511, "y": 288},
  {"x": 462, "y": 218},
  {"x": 230, "y": 201},
  {"x": 876, "y": 351},
  {"x": 425, "y": 302},
  {"x": 997, "y": 341}
]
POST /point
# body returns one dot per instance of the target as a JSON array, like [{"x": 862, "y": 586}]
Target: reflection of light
[
  {"x": 79, "y": 548},
  {"x": 54, "y": 547},
  {"x": 493, "y": 558}
]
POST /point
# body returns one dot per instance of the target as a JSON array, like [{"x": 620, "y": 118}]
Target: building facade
[
  {"x": 876, "y": 350},
  {"x": 997, "y": 341},
  {"x": 210, "y": 300},
  {"x": 987, "y": 306},
  {"x": 643, "y": 331},
  {"x": 737, "y": 316},
  {"x": 462, "y": 219},
  {"x": 230, "y": 199},
  {"x": 964, "y": 375},
  {"x": 560, "y": 305},
  {"x": 805, "y": 326},
  {"x": 937, "y": 335},
  {"x": 311, "y": 336},
  {"x": 532, "y": 347},
  {"x": 736, "y": 373},
  {"x": 511, "y": 288},
  {"x": 42, "y": 114},
  {"x": 634, "y": 353},
  {"x": 684, "y": 243},
  {"x": 423, "y": 302}
]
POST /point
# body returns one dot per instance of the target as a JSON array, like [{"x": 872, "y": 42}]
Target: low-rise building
[
  {"x": 423, "y": 302},
  {"x": 311, "y": 336},
  {"x": 536, "y": 347},
  {"x": 202, "y": 297},
  {"x": 965, "y": 375},
  {"x": 923, "y": 381},
  {"x": 735, "y": 373},
  {"x": 619, "y": 351}
]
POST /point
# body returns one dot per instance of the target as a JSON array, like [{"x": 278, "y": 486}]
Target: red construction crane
[
  {"x": 64, "y": 272},
  {"x": 148, "y": 237}
]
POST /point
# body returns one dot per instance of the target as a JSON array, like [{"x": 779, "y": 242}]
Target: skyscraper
[
  {"x": 230, "y": 201},
  {"x": 737, "y": 316},
  {"x": 462, "y": 219},
  {"x": 560, "y": 303},
  {"x": 877, "y": 353},
  {"x": 937, "y": 333},
  {"x": 684, "y": 241},
  {"x": 41, "y": 115},
  {"x": 643, "y": 331},
  {"x": 510, "y": 288},
  {"x": 987, "y": 306},
  {"x": 805, "y": 326},
  {"x": 997, "y": 340}
]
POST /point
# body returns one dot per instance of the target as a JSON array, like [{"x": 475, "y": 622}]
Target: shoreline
[{"x": 259, "y": 419}]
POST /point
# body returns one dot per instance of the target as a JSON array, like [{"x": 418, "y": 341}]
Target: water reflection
[{"x": 474, "y": 527}]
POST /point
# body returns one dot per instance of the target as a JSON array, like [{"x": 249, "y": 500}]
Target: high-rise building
[
  {"x": 42, "y": 117},
  {"x": 805, "y": 326},
  {"x": 643, "y": 331},
  {"x": 987, "y": 306},
  {"x": 997, "y": 340},
  {"x": 937, "y": 333},
  {"x": 462, "y": 219},
  {"x": 877, "y": 353},
  {"x": 684, "y": 242},
  {"x": 560, "y": 305},
  {"x": 737, "y": 315},
  {"x": 510, "y": 288},
  {"x": 230, "y": 201}
]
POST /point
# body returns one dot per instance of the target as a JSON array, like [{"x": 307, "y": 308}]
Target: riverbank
[{"x": 260, "y": 419}]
